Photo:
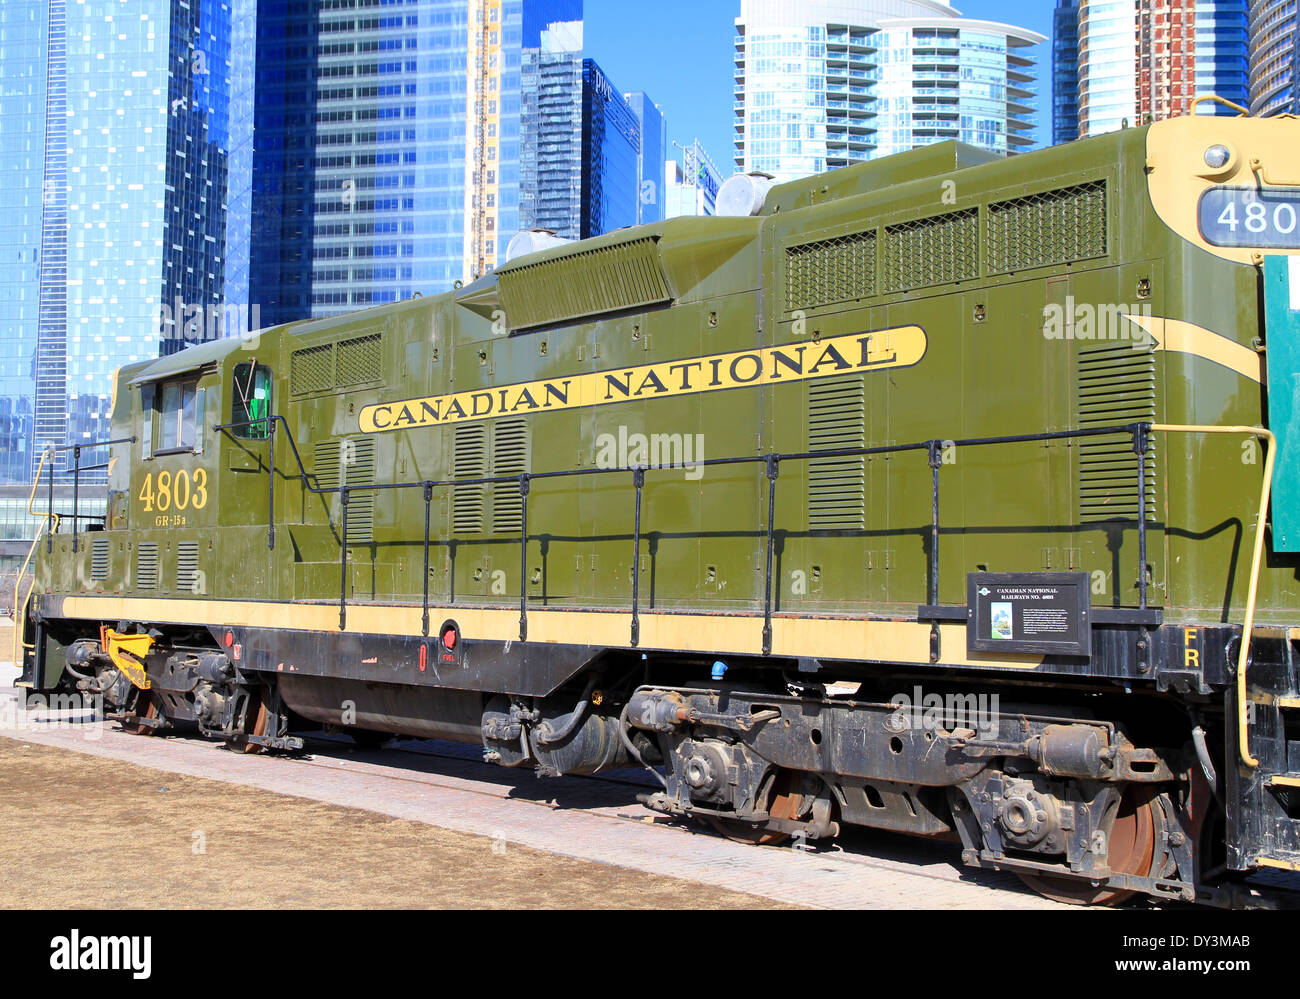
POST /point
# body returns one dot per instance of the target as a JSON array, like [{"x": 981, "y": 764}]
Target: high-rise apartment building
[
  {"x": 825, "y": 83},
  {"x": 1274, "y": 57},
  {"x": 1142, "y": 60},
  {"x": 118, "y": 132},
  {"x": 389, "y": 146},
  {"x": 582, "y": 142},
  {"x": 550, "y": 189}
]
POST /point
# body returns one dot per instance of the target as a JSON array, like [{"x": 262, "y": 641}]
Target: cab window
[
  {"x": 177, "y": 412},
  {"x": 252, "y": 402}
]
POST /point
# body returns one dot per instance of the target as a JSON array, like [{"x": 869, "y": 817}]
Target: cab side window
[
  {"x": 173, "y": 408},
  {"x": 251, "y": 393}
]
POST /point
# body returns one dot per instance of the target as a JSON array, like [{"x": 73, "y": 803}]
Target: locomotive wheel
[
  {"x": 240, "y": 743},
  {"x": 783, "y": 802},
  {"x": 133, "y": 726},
  {"x": 1131, "y": 850}
]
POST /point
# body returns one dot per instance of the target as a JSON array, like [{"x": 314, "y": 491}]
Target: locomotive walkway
[{"x": 588, "y": 818}]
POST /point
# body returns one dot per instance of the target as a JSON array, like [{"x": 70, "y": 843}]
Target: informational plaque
[{"x": 1029, "y": 612}]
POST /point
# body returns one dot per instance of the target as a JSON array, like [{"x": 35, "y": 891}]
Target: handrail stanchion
[
  {"x": 343, "y": 562},
  {"x": 523, "y": 558},
  {"x": 773, "y": 469},
  {"x": 936, "y": 459},
  {"x": 49, "y": 514},
  {"x": 270, "y": 491},
  {"x": 428, "y": 499},
  {"x": 76, "y": 492},
  {"x": 638, "y": 480}
]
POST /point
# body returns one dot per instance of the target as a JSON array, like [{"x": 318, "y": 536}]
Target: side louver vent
[
  {"x": 837, "y": 418},
  {"x": 830, "y": 271},
  {"x": 510, "y": 455},
  {"x": 932, "y": 251},
  {"x": 1117, "y": 386},
  {"x": 469, "y": 462},
  {"x": 146, "y": 565},
  {"x": 187, "y": 567},
  {"x": 349, "y": 462},
  {"x": 1054, "y": 227},
  {"x": 99, "y": 559},
  {"x": 590, "y": 283}
]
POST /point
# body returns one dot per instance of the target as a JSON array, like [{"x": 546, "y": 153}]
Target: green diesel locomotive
[{"x": 948, "y": 494}]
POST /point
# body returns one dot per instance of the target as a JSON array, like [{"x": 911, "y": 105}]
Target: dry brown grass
[{"x": 86, "y": 832}]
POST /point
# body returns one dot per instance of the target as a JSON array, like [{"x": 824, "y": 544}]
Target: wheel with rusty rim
[
  {"x": 784, "y": 800},
  {"x": 1132, "y": 849},
  {"x": 132, "y": 725},
  {"x": 259, "y": 715}
]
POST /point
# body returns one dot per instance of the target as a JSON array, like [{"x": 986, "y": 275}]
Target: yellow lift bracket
[{"x": 127, "y": 653}]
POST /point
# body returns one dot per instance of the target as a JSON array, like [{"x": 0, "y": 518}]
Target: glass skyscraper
[
  {"x": 550, "y": 190},
  {"x": 611, "y": 153},
  {"x": 23, "y": 46},
  {"x": 388, "y": 154},
  {"x": 583, "y": 151},
  {"x": 1274, "y": 57},
  {"x": 1137, "y": 62},
  {"x": 124, "y": 120},
  {"x": 1065, "y": 71},
  {"x": 826, "y": 83},
  {"x": 653, "y": 129}
]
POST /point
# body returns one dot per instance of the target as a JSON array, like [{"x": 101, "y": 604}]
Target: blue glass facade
[
  {"x": 23, "y": 35},
  {"x": 118, "y": 124},
  {"x": 611, "y": 150},
  {"x": 650, "y": 162},
  {"x": 1065, "y": 71},
  {"x": 388, "y": 158},
  {"x": 550, "y": 190},
  {"x": 1222, "y": 48}
]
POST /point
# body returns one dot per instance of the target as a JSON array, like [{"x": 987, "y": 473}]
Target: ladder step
[
  {"x": 1283, "y": 780},
  {"x": 1281, "y": 863},
  {"x": 1291, "y": 703}
]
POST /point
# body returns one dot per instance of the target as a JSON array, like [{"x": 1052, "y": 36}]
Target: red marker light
[{"x": 230, "y": 639}]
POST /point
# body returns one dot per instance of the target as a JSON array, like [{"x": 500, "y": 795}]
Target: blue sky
[{"x": 679, "y": 52}]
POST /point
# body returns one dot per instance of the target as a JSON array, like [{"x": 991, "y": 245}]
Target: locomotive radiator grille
[
  {"x": 312, "y": 369},
  {"x": 937, "y": 250},
  {"x": 1054, "y": 227},
  {"x": 830, "y": 271},
  {"x": 359, "y": 360}
]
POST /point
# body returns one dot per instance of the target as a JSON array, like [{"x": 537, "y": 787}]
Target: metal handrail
[
  {"x": 771, "y": 462},
  {"x": 1257, "y": 554}
]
